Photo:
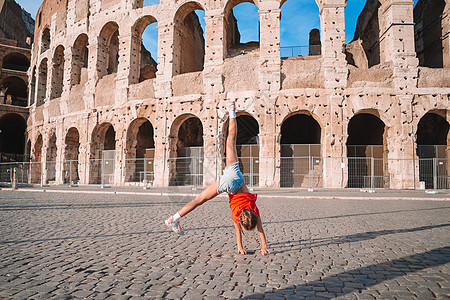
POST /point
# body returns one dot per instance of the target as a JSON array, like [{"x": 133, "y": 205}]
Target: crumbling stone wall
[{"x": 378, "y": 76}]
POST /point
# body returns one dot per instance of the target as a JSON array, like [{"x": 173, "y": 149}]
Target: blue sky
[{"x": 298, "y": 18}]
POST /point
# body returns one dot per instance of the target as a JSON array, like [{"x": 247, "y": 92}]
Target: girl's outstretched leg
[
  {"x": 231, "y": 150},
  {"x": 173, "y": 222}
]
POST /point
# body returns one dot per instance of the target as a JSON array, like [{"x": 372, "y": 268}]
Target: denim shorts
[{"x": 231, "y": 180}]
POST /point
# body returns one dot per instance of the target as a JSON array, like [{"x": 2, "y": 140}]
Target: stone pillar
[
  {"x": 214, "y": 53},
  {"x": 332, "y": 20},
  {"x": 60, "y": 146},
  {"x": 123, "y": 70},
  {"x": 269, "y": 147},
  {"x": 163, "y": 81},
  {"x": 445, "y": 29},
  {"x": 89, "y": 90},
  {"x": 269, "y": 46},
  {"x": 162, "y": 147},
  {"x": 120, "y": 159},
  {"x": 68, "y": 65},
  {"x": 397, "y": 42},
  {"x": 333, "y": 143}
]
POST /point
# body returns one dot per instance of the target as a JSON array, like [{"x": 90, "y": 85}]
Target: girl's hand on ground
[
  {"x": 242, "y": 251},
  {"x": 264, "y": 251}
]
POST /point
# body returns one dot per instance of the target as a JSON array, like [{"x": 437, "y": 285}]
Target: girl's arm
[
  {"x": 241, "y": 249},
  {"x": 264, "y": 249}
]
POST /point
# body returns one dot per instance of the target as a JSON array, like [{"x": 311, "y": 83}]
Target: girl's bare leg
[
  {"x": 231, "y": 150},
  {"x": 209, "y": 193}
]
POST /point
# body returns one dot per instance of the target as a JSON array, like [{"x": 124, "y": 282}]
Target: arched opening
[
  {"x": 140, "y": 151},
  {"x": 146, "y": 45},
  {"x": 241, "y": 27},
  {"x": 301, "y": 162},
  {"x": 33, "y": 87},
  {"x": 432, "y": 146},
  {"x": 429, "y": 34},
  {"x": 36, "y": 165},
  {"x": 300, "y": 38},
  {"x": 189, "y": 41},
  {"x": 364, "y": 49},
  {"x": 12, "y": 137},
  {"x": 16, "y": 61},
  {"x": 58, "y": 73},
  {"x": 50, "y": 162},
  {"x": 108, "y": 54},
  {"x": 45, "y": 40},
  {"x": 186, "y": 163},
  {"x": 71, "y": 154},
  {"x": 367, "y": 152},
  {"x": 42, "y": 83},
  {"x": 14, "y": 91},
  {"x": 80, "y": 58},
  {"x": 103, "y": 154}
]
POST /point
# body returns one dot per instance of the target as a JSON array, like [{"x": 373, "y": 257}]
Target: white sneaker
[{"x": 175, "y": 226}]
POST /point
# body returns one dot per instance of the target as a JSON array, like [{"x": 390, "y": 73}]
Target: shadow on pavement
[
  {"x": 280, "y": 247},
  {"x": 354, "y": 281}
]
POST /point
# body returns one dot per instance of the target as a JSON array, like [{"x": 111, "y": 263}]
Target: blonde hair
[{"x": 248, "y": 220}]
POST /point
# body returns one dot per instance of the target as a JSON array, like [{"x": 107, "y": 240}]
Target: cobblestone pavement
[{"x": 75, "y": 246}]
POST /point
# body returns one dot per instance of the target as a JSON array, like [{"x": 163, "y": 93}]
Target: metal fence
[
  {"x": 298, "y": 172},
  {"x": 290, "y": 51}
]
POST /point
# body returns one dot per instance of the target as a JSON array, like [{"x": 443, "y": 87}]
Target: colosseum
[{"x": 372, "y": 113}]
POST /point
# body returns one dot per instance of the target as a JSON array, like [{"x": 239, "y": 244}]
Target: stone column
[
  {"x": 60, "y": 146},
  {"x": 89, "y": 90},
  {"x": 397, "y": 41},
  {"x": 214, "y": 53},
  {"x": 333, "y": 143},
  {"x": 163, "y": 81},
  {"x": 123, "y": 70},
  {"x": 445, "y": 29},
  {"x": 269, "y": 46},
  {"x": 68, "y": 65},
  {"x": 332, "y": 20},
  {"x": 269, "y": 146}
]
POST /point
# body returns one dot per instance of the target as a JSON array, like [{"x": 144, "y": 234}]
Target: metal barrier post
[
  {"x": 145, "y": 172},
  {"x": 103, "y": 169},
  {"x": 251, "y": 172},
  {"x": 372, "y": 173},
  {"x": 14, "y": 178},
  {"x": 309, "y": 171},
  {"x": 435, "y": 166},
  {"x": 195, "y": 173}
]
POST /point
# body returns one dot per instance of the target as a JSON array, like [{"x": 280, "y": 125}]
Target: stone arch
[
  {"x": 103, "y": 146},
  {"x": 57, "y": 73},
  {"x": 45, "y": 40},
  {"x": 71, "y": 156},
  {"x": 12, "y": 135},
  {"x": 42, "y": 83},
  {"x": 14, "y": 91},
  {"x": 80, "y": 59},
  {"x": 367, "y": 151},
  {"x": 108, "y": 52},
  {"x": 300, "y": 150},
  {"x": 50, "y": 162},
  {"x": 140, "y": 151},
  {"x": 188, "y": 41},
  {"x": 429, "y": 34},
  {"x": 432, "y": 140},
  {"x": 303, "y": 40},
  {"x": 16, "y": 61},
  {"x": 37, "y": 160},
  {"x": 233, "y": 45},
  {"x": 143, "y": 65},
  {"x": 186, "y": 150}
]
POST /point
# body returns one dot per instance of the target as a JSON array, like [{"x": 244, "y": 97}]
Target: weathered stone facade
[
  {"x": 16, "y": 36},
  {"x": 91, "y": 91}
]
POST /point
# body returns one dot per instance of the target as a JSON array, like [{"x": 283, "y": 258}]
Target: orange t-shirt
[{"x": 241, "y": 201}]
